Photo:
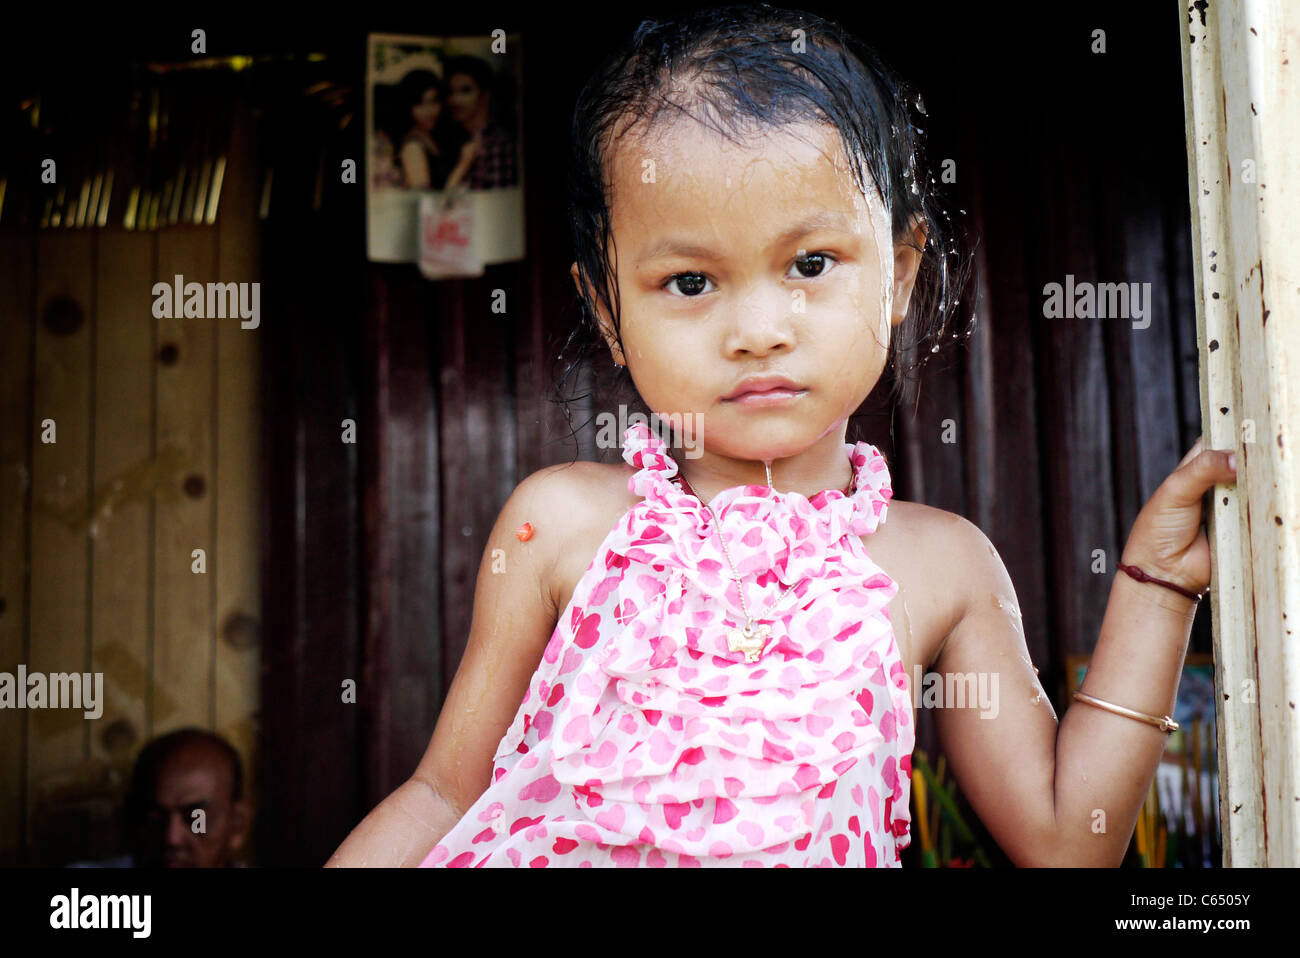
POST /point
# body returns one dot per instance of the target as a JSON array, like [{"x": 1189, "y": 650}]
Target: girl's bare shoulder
[
  {"x": 572, "y": 506},
  {"x": 931, "y": 554},
  {"x": 591, "y": 488}
]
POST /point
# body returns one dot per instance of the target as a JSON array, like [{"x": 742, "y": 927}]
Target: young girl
[{"x": 726, "y": 682}]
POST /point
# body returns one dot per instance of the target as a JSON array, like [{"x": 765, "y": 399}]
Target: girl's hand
[
  {"x": 1167, "y": 540},
  {"x": 467, "y": 153},
  {"x": 470, "y": 149}
]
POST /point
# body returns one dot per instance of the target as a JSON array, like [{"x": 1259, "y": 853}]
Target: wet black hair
[{"x": 739, "y": 68}]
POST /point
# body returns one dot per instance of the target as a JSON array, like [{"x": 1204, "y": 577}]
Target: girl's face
[
  {"x": 761, "y": 259},
  {"x": 425, "y": 113}
]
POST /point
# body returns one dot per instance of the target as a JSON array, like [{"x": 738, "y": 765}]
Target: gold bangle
[{"x": 1165, "y": 723}]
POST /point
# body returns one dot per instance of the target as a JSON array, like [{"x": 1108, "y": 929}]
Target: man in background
[{"x": 186, "y": 807}]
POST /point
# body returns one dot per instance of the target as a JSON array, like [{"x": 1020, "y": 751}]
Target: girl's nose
[{"x": 762, "y": 322}]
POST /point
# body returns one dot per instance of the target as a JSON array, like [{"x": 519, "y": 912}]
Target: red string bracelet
[{"x": 1141, "y": 576}]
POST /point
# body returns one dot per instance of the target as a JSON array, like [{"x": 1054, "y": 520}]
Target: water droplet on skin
[
  {"x": 1038, "y": 697},
  {"x": 1006, "y": 606}
]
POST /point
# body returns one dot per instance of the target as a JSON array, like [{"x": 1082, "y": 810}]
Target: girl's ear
[
  {"x": 907, "y": 264},
  {"x": 606, "y": 327}
]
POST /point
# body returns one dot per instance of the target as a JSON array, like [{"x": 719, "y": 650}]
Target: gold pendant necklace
[{"x": 752, "y": 639}]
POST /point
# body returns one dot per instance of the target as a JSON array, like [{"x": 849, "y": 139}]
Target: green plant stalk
[
  {"x": 946, "y": 802},
  {"x": 951, "y": 813}
]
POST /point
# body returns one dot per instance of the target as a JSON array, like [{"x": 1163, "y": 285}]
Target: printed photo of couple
[{"x": 444, "y": 117}]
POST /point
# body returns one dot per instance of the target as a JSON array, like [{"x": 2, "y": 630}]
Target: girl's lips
[{"x": 768, "y": 397}]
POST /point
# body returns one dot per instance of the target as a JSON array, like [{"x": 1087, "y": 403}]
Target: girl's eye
[
  {"x": 815, "y": 262},
  {"x": 688, "y": 284},
  {"x": 693, "y": 284}
]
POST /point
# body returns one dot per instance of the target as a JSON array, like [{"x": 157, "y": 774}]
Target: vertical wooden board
[
  {"x": 907, "y": 470},
  {"x": 1261, "y": 102},
  {"x": 1241, "y": 805},
  {"x": 1017, "y": 527},
  {"x": 459, "y": 566},
  {"x": 236, "y": 487},
  {"x": 183, "y": 627},
  {"x": 122, "y": 544},
  {"x": 17, "y": 275},
  {"x": 543, "y": 426},
  {"x": 1077, "y": 420},
  {"x": 491, "y": 422},
  {"x": 1146, "y": 344},
  {"x": 377, "y": 549},
  {"x": 1183, "y": 313},
  {"x": 553, "y": 315},
  {"x": 326, "y": 328},
  {"x": 545, "y": 319},
  {"x": 529, "y": 354},
  {"x": 420, "y": 638},
  {"x": 1126, "y": 391},
  {"x": 284, "y": 715},
  {"x": 61, "y": 483},
  {"x": 938, "y": 423},
  {"x": 1009, "y": 315},
  {"x": 980, "y": 399},
  {"x": 496, "y": 380},
  {"x": 416, "y": 473},
  {"x": 528, "y": 308},
  {"x": 1182, "y": 343}
]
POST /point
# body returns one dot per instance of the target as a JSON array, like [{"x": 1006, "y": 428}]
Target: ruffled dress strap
[{"x": 658, "y": 478}]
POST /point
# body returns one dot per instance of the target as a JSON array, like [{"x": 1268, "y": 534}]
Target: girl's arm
[
  {"x": 514, "y": 617},
  {"x": 414, "y": 166},
  {"x": 465, "y": 161},
  {"x": 1070, "y": 795}
]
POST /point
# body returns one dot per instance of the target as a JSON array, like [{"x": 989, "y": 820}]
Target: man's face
[
  {"x": 173, "y": 835},
  {"x": 464, "y": 97}
]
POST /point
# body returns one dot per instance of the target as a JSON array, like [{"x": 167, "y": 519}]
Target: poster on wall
[{"x": 444, "y": 136}]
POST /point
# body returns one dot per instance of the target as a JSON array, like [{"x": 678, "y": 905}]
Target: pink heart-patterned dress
[{"x": 643, "y": 740}]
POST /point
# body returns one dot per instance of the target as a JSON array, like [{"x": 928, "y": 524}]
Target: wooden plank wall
[
  {"x": 367, "y": 551},
  {"x": 17, "y": 298},
  {"x": 156, "y": 456},
  {"x": 316, "y": 750},
  {"x": 1066, "y": 426},
  {"x": 1089, "y": 415}
]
